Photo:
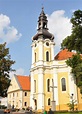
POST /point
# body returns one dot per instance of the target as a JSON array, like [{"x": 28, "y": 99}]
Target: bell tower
[
  {"x": 42, "y": 58},
  {"x": 42, "y": 22}
]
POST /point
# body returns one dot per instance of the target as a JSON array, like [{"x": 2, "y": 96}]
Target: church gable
[
  {"x": 19, "y": 83},
  {"x": 14, "y": 85}
]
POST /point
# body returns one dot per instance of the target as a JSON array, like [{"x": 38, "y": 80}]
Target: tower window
[
  {"x": 35, "y": 57},
  {"x": 44, "y": 25},
  {"x": 49, "y": 101},
  {"x": 48, "y": 85},
  {"x": 47, "y": 56},
  {"x": 63, "y": 83}
]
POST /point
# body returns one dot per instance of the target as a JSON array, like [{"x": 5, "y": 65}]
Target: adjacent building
[{"x": 19, "y": 92}]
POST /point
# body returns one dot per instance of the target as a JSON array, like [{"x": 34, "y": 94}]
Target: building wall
[
  {"x": 16, "y": 96},
  {"x": 57, "y": 70}
]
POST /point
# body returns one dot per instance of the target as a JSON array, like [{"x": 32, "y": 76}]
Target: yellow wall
[
  {"x": 79, "y": 95},
  {"x": 63, "y": 96},
  {"x": 47, "y": 94},
  {"x": 26, "y": 99}
]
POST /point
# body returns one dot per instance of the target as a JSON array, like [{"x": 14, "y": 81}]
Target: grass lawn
[{"x": 69, "y": 113}]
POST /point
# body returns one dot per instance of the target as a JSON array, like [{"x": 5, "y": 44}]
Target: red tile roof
[
  {"x": 64, "y": 54},
  {"x": 24, "y": 82}
]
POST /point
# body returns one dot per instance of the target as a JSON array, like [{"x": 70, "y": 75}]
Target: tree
[
  {"x": 5, "y": 68},
  {"x": 71, "y": 104},
  {"x": 74, "y": 42},
  {"x": 76, "y": 64}
]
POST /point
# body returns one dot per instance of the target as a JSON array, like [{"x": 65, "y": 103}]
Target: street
[{"x": 1, "y": 112}]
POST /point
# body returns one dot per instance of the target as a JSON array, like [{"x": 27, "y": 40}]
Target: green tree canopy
[
  {"x": 74, "y": 42},
  {"x": 5, "y": 68}
]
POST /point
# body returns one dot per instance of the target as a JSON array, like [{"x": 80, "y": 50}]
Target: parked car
[{"x": 6, "y": 110}]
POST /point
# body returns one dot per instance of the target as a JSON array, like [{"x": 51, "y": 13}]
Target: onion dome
[{"x": 42, "y": 28}]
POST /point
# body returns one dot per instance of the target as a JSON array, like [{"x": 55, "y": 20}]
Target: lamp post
[{"x": 72, "y": 101}]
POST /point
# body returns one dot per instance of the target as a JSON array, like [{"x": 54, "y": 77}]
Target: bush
[{"x": 2, "y": 107}]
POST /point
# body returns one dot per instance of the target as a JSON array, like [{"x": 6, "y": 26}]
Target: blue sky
[{"x": 18, "y": 23}]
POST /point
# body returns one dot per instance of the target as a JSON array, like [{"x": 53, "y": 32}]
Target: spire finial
[{"x": 42, "y": 8}]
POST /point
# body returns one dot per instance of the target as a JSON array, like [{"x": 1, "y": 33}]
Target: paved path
[{"x": 21, "y": 112}]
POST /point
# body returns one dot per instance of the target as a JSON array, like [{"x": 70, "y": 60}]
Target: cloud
[
  {"x": 59, "y": 25},
  {"x": 19, "y": 71},
  {"x": 8, "y": 33}
]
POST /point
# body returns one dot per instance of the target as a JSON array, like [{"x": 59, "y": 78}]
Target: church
[{"x": 51, "y": 83}]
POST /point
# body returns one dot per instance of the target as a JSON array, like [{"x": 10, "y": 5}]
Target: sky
[{"x": 18, "y": 24}]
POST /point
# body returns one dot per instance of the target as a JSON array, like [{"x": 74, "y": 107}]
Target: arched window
[
  {"x": 48, "y": 85},
  {"x": 49, "y": 101},
  {"x": 13, "y": 94},
  {"x": 25, "y": 93},
  {"x": 25, "y": 103},
  {"x": 47, "y": 56},
  {"x": 52, "y": 81},
  {"x": 35, "y": 57},
  {"x": 63, "y": 83}
]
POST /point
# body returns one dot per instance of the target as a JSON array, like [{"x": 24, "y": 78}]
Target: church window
[
  {"x": 25, "y": 103},
  {"x": 52, "y": 81},
  {"x": 48, "y": 85},
  {"x": 25, "y": 93},
  {"x": 34, "y": 86},
  {"x": 17, "y": 94},
  {"x": 47, "y": 56},
  {"x": 35, "y": 57},
  {"x": 13, "y": 94},
  {"x": 63, "y": 82},
  {"x": 49, "y": 101}
]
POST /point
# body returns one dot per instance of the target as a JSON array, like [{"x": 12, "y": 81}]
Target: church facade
[{"x": 52, "y": 83}]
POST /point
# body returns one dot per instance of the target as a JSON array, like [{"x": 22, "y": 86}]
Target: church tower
[{"x": 42, "y": 58}]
